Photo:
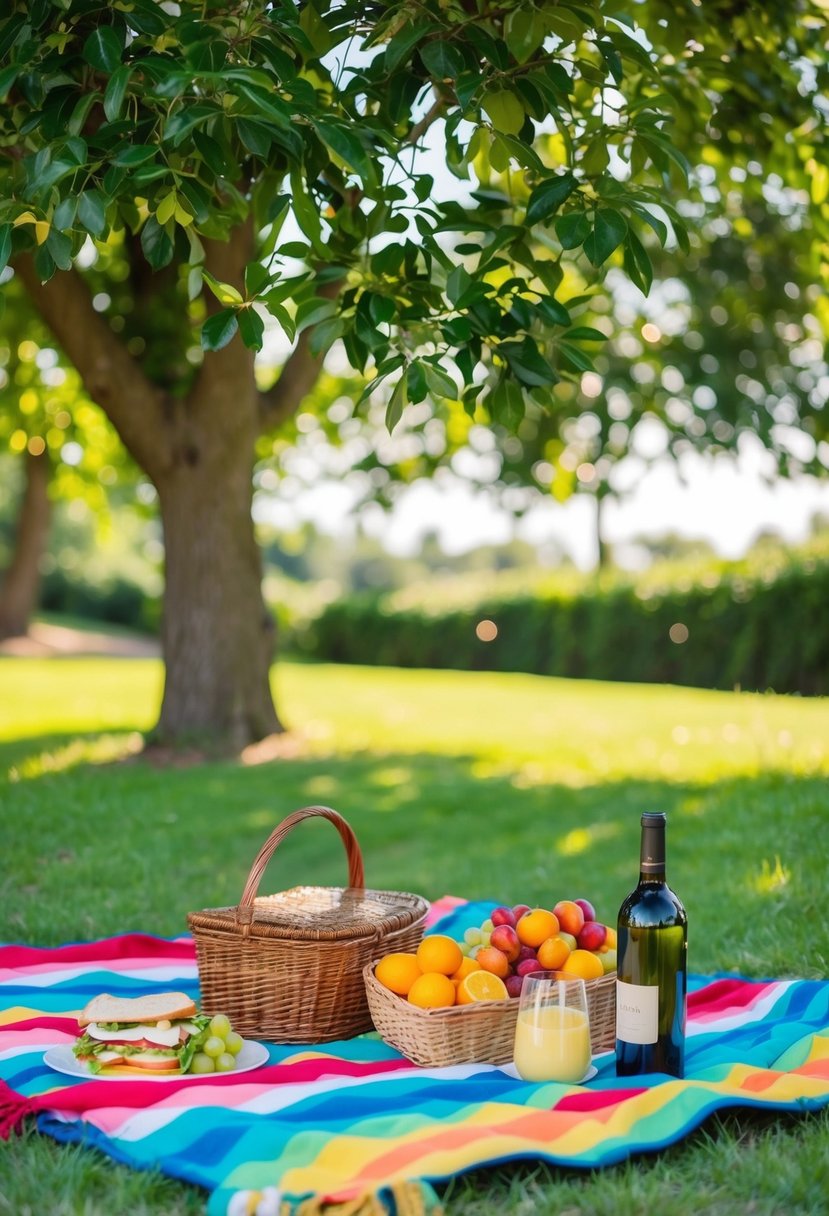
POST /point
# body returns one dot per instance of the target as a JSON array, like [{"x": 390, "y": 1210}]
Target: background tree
[{"x": 205, "y": 168}]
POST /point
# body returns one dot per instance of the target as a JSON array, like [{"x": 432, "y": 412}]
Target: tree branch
[{"x": 110, "y": 375}]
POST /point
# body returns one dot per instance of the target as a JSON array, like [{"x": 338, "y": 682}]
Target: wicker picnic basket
[
  {"x": 480, "y": 1033},
  {"x": 289, "y": 967}
]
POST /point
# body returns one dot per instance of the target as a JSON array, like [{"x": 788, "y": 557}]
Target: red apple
[
  {"x": 494, "y": 960},
  {"x": 505, "y": 939},
  {"x": 587, "y": 908},
  {"x": 503, "y": 916},
  {"x": 592, "y": 935},
  {"x": 518, "y": 911},
  {"x": 570, "y": 916},
  {"x": 514, "y": 984},
  {"x": 526, "y": 966}
]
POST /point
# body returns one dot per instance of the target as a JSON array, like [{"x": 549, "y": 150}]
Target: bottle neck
[{"x": 652, "y": 850}]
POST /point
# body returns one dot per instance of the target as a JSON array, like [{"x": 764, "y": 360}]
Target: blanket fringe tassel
[{"x": 14, "y": 1108}]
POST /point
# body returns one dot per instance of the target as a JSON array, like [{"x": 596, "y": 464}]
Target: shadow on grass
[{"x": 92, "y": 849}]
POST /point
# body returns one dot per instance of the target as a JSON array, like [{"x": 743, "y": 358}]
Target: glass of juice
[{"x": 552, "y": 1031}]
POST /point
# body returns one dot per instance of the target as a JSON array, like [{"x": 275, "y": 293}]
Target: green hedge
[{"x": 744, "y": 632}]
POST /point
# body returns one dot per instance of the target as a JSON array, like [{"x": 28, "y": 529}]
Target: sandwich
[{"x": 156, "y": 1034}]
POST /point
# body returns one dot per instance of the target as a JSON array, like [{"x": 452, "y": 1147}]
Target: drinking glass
[{"x": 552, "y": 1031}]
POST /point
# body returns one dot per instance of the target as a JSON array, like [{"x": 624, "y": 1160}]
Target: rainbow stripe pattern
[{"x": 353, "y": 1123}]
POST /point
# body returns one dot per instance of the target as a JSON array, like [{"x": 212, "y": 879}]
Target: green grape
[
  {"x": 234, "y": 1043},
  {"x": 225, "y": 1062},
  {"x": 202, "y": 1063},
  {"x": 487, "y": 926},
  {"x": 220, "y": 1026},
  {"x": 214, "y": 1047},
  {"x": 485, "y": 939},
  {"x": 472, "y": 937}
]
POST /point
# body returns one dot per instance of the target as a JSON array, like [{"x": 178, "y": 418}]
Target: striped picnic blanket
[{"x": 354, "y": 1123}]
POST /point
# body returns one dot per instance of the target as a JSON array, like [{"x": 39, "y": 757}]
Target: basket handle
[{"x": 356, "y": 876}]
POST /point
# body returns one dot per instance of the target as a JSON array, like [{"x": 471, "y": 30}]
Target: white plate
[
  {"x": 512, "y": 1071},
  {"x": 253, "y": 1055}
]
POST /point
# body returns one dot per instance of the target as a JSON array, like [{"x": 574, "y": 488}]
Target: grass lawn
[{"x": 511, "y": 787}]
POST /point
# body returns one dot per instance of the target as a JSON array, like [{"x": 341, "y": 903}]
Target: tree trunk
[
  {"x": 218, "y": 637},
  {"x": 21, "y": 584}
]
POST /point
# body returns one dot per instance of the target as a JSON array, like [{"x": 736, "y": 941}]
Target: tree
[
  {"x": 66, "y": 448},
  {"x": 212, "y": 166}
]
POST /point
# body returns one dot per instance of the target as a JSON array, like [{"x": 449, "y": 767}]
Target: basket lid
[{"x": 317, "y": 914}]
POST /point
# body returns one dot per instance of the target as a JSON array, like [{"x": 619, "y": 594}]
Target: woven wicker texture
[
  {"x": 482, "y": 1033},
  {"x": 289, "y": 967}
]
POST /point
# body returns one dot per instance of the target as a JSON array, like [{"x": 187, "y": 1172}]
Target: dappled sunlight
[
  {"x": 320, "y": 787},
  {"x": 582, "y": 839},
  {"x": 93, "y": 749},
  {"x": 772, "y": 877},
  {"x": 391, "y": 776}
]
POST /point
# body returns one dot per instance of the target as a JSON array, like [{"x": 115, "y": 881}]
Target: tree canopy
[
  {"x": 176, "y": 123},
  {"x": 453, "y": 190}
]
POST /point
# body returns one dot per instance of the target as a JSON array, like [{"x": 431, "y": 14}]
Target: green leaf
[
  {"x": 219, "y": 329},
  {"x": 257, "y": 276},
  {"x": 403, "y": 43},
  {"x": 553, "y": 311},
  {"x": 306, "y": 213},
  {"x": 525, "y": 30},
  {"x": 416, "y": 386},
  {"x": 156, "y": 244},
  {"x": 225, "y": 293},
  {"x": 505, "y": 110},
  {"x": 585, "y": 333},
  {"x": 7, "y": 78},
  {"x": 637, "y": 263},
  {"x": 346, "y": 145},
  {"x": 5, "y": 245},
  {"x": 575, "y": 357},
  {"x": 397, "y": 404},
  {"x": 440, "y": 382},
  {"x": 653, "y": 221},
  {"x": 609, "y": 230},
  {"x": 166, "y": 209},
  {"x": 610, "y": 55},
  {"x": 572, "y": 229},
  {"x": 527, "y": 363},
  {"x": 64, "y": 215},
  {"x": 325, "y": 334},
  {"x": 102, "y": 49},
  {"x": 44, "y": 264},
  {"x": 251, "y": 328},
  {"x": 133, "y": 155},
  {"x": 506, "y": 403},
  {"x": 548, "y": 196},
  {"x": 115, "y": 92},
  {"x": 60, "y": 247},
  {"x": 442, "y": 60}
]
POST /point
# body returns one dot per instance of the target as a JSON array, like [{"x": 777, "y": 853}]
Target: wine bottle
[{"x": 652, "y": 965}]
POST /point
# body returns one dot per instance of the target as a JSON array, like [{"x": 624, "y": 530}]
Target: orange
[
  {"x": 552, "y": 953},
  {"x": 468, "y": 965},
  {"x": 398, "y": 972},
  {"x": 481, "y": 986},
  {"x": 439, "y": 953},
  {"x": 584, "y": 964},
  {"x": 432, "y": 991},
  {"x": 536, "y": 926}
]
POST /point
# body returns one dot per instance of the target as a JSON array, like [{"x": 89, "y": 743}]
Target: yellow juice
[{"x": 552, "y": 1044}]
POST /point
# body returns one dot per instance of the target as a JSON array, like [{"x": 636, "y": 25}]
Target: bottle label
[{"x": 637, "y": 1012}]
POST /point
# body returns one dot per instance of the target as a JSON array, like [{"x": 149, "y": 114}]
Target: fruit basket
[
  {"x": 289, "y": 967},
  {"x": 481, "y": 1033}
]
